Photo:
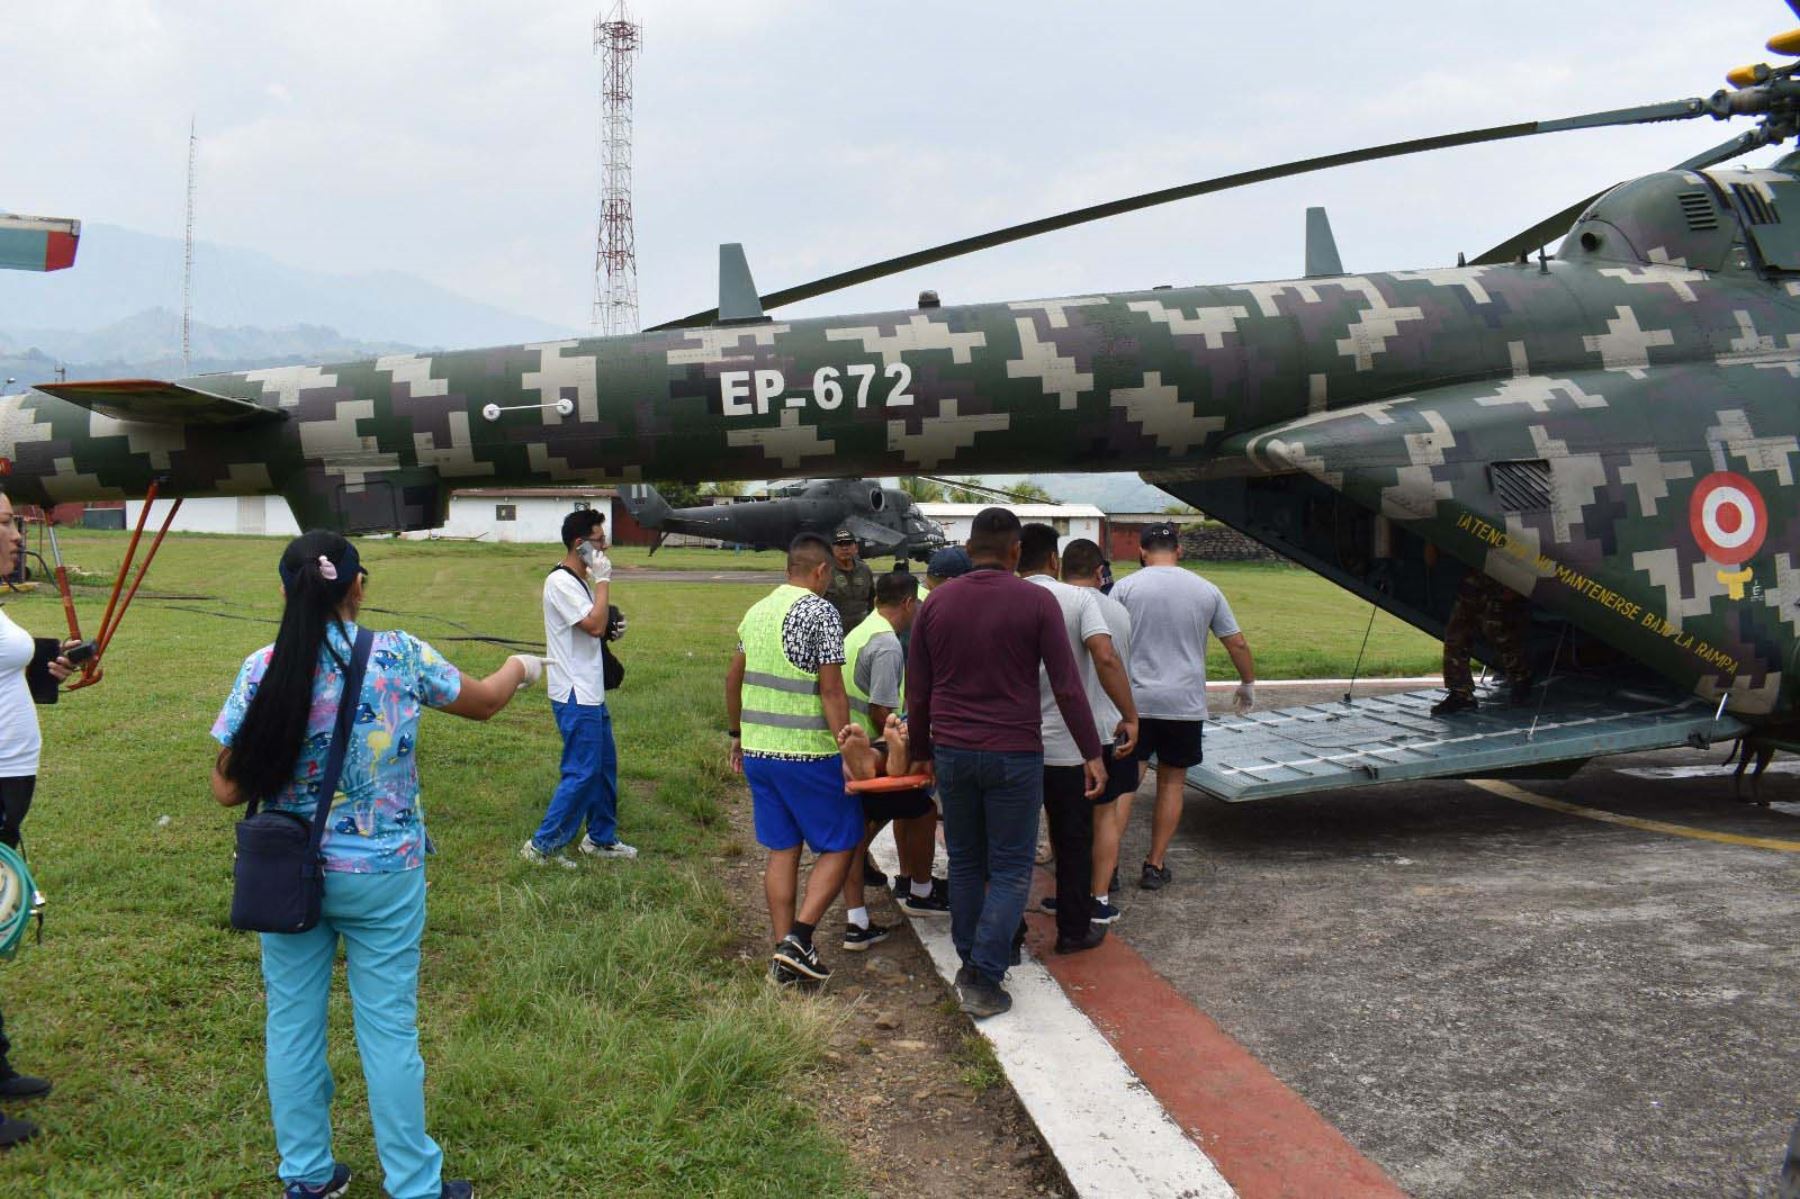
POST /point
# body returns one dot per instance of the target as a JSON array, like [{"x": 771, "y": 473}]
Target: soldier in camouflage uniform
[
  {"x": 1486, "y": 608},
  {"x": 852, "y": 587}
]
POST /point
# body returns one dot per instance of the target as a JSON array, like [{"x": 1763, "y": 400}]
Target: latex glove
[
  {"x": 1245, "y": 698},
  {"x": 534, "y": 668},
  {"x": 599, "y": 567}
]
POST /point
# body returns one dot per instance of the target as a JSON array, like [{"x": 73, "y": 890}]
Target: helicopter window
[
  {"x": 1698, "y": 208},
  {"x": 1757, "y": 208},
  {"x": 1521, "y": 486}
]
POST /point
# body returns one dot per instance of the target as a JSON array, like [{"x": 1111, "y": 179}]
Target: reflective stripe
[
  {"x": 782, "y": 720},
  {"x": 775, "y": 682}
]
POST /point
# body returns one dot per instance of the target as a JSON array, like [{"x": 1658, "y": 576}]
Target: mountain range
[{"x": 121, "y": 273}]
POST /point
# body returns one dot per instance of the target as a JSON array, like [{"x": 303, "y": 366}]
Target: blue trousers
[
  {"x": 589, "y": 789},
  {"x": 991, "y": 803},
  {"x": 380, "y": 918}
]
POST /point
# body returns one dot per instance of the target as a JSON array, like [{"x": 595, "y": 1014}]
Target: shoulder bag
[{"x": 279, "y": 874}]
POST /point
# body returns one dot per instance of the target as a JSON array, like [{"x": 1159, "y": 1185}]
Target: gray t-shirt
[
  {"x": 879, "y": 666},
  {"x": 1083, "y": 619},
  {"x": 1118, "y": 623},
  {"x": 1171, "y": 610}
]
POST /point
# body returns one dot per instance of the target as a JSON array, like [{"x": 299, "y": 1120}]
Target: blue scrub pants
[
  {"x": 589, "y": 790},
  {"x": 380, "y": 918}
]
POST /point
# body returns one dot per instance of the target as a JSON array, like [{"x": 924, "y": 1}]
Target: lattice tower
[{"x": 618, "y": 39}]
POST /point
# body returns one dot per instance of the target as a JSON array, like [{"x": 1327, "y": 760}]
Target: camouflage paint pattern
[{"x": 1613, "y": 432}]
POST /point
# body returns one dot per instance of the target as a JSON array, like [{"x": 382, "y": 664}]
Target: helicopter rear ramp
[{"x": 1389, "y": 738}]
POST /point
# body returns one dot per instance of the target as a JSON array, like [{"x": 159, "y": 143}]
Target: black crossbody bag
[{"x": 279, "y": 875}]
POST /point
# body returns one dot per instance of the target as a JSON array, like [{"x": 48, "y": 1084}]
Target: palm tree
[{"x": 923, "y": 491}]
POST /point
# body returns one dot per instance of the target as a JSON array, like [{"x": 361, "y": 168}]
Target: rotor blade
[
  {"x": 1550, "y": 227},
  {"x": 1538, "y": 235},
  {"x": 1674, "y": 110},
  {"x": 1726, "y": 151}
]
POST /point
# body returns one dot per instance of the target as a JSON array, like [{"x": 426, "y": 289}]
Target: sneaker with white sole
[
  {"x": 339, "y": 1184},
  {"x": 857, "y": 938},
  {"x": 801, "y": 959},
  {"x": 614, "y": 849},
  {"x": 1104, "y": 912},
  {"x": 537, "y": 857}
]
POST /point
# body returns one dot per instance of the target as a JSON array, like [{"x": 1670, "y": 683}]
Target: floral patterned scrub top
[{"x": 376, "y": 825}]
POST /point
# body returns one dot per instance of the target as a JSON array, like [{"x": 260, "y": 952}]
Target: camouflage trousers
[{"x": 1495, "y": 613}]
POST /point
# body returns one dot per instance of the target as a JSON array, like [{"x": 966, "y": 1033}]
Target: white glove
[
  {"x": 618, "y": 629},
  {"x": 1245, "y": 698},
  {"x": 599, "y": 568},
  {"x": 534, "y": 668}
]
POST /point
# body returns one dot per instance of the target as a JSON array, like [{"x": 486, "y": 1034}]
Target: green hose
[{"x": 16, "y": 894}]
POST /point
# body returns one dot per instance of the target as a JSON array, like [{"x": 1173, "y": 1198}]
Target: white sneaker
[
  {"x": 618, "y": 849},
  {"x": 537, "y": 857}
]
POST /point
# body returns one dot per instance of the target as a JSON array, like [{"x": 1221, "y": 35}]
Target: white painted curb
[{"x": 1106, "y": 1129}]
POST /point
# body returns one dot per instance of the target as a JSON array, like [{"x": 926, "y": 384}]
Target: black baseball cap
[
  {"x": 1160, "y": 533},
  {"x": 844, "y": 537}
]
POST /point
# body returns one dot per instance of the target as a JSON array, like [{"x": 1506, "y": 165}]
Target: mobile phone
[{"x": 80, "y": 653}]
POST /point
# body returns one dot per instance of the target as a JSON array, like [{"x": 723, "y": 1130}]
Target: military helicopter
[
  {"x": 884, "y": 520},
  {"x": 1609, "y": 431}
]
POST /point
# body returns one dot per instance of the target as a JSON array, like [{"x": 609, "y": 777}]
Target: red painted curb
[{"x": 1267, "y": 1141}]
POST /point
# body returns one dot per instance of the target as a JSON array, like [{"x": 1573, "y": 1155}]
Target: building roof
[
  {"x": 940, "y": 511},
  {"x": 535, "y": 493},
  {"x": 1149, "y": 518}
]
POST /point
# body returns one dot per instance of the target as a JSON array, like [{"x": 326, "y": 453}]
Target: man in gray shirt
[
  {"x": 874, "y": 682},
  {"x": 1172, "y": 610},
  {"x": 1070, "y": 812}
]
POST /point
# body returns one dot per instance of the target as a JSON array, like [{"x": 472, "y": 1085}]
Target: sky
[{"x": 458, "y": 141}]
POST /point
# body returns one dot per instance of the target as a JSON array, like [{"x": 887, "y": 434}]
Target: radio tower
[
  {"x": 615, "y": 254},
  {"x": 187, "y": 258}
]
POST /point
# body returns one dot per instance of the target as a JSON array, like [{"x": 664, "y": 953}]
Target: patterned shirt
[
  {"x": 376, "y": 825},
  {"x": 812, "y": 635}
]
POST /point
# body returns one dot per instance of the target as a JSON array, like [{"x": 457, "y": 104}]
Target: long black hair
[{"x": 267, "y": 744}]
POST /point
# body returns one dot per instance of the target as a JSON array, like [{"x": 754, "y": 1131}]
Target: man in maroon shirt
[{"x": 972, "y": 704}]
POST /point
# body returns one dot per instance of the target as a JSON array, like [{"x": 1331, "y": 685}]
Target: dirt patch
[{"x": 907, "y": 1083}]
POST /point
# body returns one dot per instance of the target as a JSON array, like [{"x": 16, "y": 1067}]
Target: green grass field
[{"x": 585, "y": 1032}]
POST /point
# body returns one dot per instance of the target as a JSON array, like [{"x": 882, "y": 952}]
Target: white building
[
  {"x": 1069, "y": 520},
  {"x": 250, "y": 515},
  {"x": 520, "y": 514}
]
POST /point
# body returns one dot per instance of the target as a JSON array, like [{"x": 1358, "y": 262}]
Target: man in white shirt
[
  {"x": 576, "y": 605},
  {"x": 1068, "y": 809},
  {"x": 1172, "y": 610}
]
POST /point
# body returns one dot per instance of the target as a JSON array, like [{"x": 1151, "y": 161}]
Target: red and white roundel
[{"x": 1728, "y": 517}]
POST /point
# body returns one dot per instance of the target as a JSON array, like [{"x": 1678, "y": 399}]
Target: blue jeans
[
  {"x": 380, "y": 918},
  {"x": 589, "y": 790},
  {"x": 991, "y": 803}
]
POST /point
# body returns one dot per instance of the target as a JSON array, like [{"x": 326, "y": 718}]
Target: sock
[
  {"x": 802, "y": 932},
  {"x": 859, "y": 917},
  {"x": 921, "y": 890},
  {"x": 1100, "y": 898}
]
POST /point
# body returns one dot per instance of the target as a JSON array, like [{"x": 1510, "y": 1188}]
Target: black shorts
[
  {"x": 1171, "y": 742},
  {"x": 1121, "y": 777},
  {"x": 895, "y": 805}
]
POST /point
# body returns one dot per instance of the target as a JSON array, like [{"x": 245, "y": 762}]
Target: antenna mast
[
  {"x": 615, "y": 255},
  {"x": 187, "y": 258}
]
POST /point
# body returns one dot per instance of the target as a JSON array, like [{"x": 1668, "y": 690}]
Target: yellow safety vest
[
  {"x": 874, "y": 626},
  {"x": 782, "y": 713}
]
